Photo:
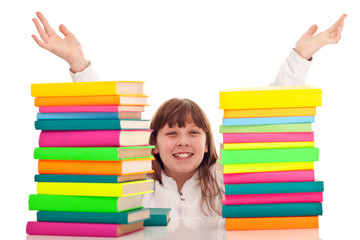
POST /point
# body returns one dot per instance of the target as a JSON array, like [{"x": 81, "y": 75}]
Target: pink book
[
  {"x": 263, "y": 177},
  {"x": 268, "y": 137},
  {"x": 273, "y": 198},
  {"x": 109, "y": 108},
  {"x": 82, "y": 229},
  {"x": 94, "y": 138}
]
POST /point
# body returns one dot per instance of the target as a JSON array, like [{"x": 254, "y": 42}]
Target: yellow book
[
  {"x": 269, "y": 112},
  {"x": 263, "y": 167},
  {"x": 270, "y": 97},
  {"x": 266, "y": 145},
  {"x": 95, "y": 189},
  {"x": 86, "y": 88}
]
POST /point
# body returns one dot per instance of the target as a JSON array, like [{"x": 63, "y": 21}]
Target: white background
[{"x": 185, "y": 49}]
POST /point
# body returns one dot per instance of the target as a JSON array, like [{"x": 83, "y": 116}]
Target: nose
[{"x": 183, "y": 141}]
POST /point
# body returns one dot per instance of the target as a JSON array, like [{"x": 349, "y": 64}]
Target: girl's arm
[
  {"x": 295, "y": 68},
  {"x": 67, "y": 48}
]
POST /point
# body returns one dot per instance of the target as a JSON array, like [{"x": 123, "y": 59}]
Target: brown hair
[{"x": 179, "y": 112}]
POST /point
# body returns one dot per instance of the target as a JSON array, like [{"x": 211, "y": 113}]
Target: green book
[
  {"x": 91, "y": 153},
  {"x": 269, "y": 155},
  {"x": 91, "y": 124},
  {"x": 45, "y": 202},
  {"x": 271, "y": 210},
  {"x": 296, "y": 127},
  {"x": 270, "y": 188},
  {"x": 126, "y": 217},
  {"x": 158, "y": 217}
]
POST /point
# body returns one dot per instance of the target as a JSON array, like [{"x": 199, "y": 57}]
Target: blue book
[
  {"x": 271, "y": 210},
  {"x": 267, "y": 120},
  {"x": 95, "y": 217},
  {"x": 79, "y": 115},
  {"x": 88, "y": 178},
  {"x": 91, "y": 124}
]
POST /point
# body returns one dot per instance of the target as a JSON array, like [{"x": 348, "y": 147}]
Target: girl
[{"x": 185, "y": 155}]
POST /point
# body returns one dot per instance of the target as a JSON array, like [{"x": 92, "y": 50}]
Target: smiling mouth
[{"x": 183, "y": 155}]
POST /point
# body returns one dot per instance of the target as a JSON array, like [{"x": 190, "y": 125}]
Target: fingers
[
  {"x": 47, "y": 27},
  {"x": 40, "y": 30},
  {"x": 312, "y": 30},
  {"x": 39, "y": 42},
  {"x": 64, "y": 30}
]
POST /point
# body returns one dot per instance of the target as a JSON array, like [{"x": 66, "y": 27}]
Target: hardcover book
[
  {"x": 270, "y": 97},
  {"x": 126, "y": 217},
  {"x": 64, "y": 203},
  {"x": 86, "y": 88},
  {"x": 96, "y": 189}
]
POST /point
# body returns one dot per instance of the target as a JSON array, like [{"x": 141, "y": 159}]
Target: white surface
[{"x": 184, "y": 49}]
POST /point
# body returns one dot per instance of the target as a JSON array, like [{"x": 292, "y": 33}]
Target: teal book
[
  {"x": 88, "y": 178},
  {"x": 271, "y": 210},
  {"x": 158, "y": 217},
  {"x": 91, "y": 124},
  {"x": 272, "y": 188},
  {"x": 95, "y": 217},
  {"x": 295, "y": 127},
  {"x": 269, "y": 155}
]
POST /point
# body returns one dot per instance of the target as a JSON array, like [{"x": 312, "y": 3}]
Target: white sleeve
[
  {"x": 87, "y": 75},
  {"x": 293, "y": 71}
]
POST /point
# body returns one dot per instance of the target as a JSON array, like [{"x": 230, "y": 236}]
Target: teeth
[{"x": 183, "y": 155}]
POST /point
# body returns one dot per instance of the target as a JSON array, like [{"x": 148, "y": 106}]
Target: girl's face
[{"x": 181, "y": 149}]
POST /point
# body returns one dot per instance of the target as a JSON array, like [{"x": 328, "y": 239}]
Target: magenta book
[
  {"x": 273, "y": 198},
  {"x": 268, "y": 137},
  {"x": 279, "y": 176}
]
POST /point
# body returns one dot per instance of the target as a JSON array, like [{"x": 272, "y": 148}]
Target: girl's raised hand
[
  {"x": 309, "y": 43},
  {"x": 67, "y": 48}
]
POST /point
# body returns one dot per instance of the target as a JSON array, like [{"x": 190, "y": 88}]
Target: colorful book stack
[
  {"x": 267, "y": 158},
  {"x": 94, "y": 155}
]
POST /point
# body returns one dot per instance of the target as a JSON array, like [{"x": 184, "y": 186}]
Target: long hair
[{"x": 179, "y": 112}]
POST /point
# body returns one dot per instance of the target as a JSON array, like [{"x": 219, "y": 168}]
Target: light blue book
[
  {"x": 79, "y": 115},
  {"x": 267, "y": 120}
]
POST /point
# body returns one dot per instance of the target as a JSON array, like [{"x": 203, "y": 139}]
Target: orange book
[
  {"x": 120, "y": 168},
  {"x": 269, "y": 112},
  {"x": 263, "y": 223},
  {"x": 129, "y": 99}
]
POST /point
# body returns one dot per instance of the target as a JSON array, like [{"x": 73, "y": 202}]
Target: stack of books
[
  {"x": 267, "y": 158},
  {"x": 94, "y": 155}
]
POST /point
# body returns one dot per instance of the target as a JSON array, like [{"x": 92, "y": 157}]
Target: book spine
[
  {"x": 66, "y": 109},
  {"x": 296, "y": 127},
  {"x": 77, "y": 153},
  {"x": 82, "y": 115},
  {"x": 45, "y": 202},
  {"x": 83, "y": 217},
  {"x": 94, "y": 138},
  {"x": 87, "y": 189},
  {"x": 272, "y": 210},
  {"x": 273, "y": 198},
  {"x": 268, "y": 188},
  {"x": 269, "y": 155},
  {"x": 270, "y": 99},
  {"x": 236, "y": 224},
  {"x": 75, "y": 178},
  {"x": 268, "y": 137},
  {"x": 259, "y": 177},
  {"x": 75, "y": 124},
  {"x": 71, "y": 229},
  {"x": 267, "y": 120},
  {"x": 267, "y": 167}
]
